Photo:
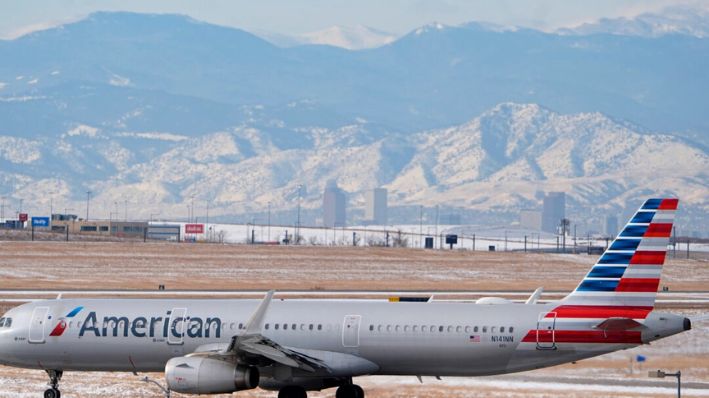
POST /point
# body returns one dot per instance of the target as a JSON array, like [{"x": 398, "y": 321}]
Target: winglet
[
  {"x": 535, "y": 296},
  {"x": 256, "y": 322}
]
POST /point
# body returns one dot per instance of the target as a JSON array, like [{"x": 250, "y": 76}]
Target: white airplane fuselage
[{"x": 397, "y": 338}]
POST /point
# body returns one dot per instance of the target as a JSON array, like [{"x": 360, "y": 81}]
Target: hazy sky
[{"x": 295, "y": 17}]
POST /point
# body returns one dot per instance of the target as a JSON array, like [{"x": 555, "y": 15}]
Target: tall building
[
  {"x": 553, "y": 210},
  {"x": 375, "y": 210},
  {"x": 334, "y": 205},
  {"x": 610, "y": 226},
  {"x": 530, "y": 219}
]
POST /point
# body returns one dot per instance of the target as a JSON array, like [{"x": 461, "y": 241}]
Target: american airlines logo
[
  {"x": 61, "y": 324},
  {"x": 156, "y": 326}
]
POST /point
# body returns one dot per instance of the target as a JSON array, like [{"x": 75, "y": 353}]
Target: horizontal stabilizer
[{"x": 617, "y": 324}]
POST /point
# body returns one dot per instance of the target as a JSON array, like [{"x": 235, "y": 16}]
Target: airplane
[{"x": 294, "y": 346}]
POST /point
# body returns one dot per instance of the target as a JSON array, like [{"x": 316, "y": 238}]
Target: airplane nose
[{"x": 687, "y": 324}]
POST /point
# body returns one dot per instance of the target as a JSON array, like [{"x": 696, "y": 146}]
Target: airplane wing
[{"x": 252, "y": 347}]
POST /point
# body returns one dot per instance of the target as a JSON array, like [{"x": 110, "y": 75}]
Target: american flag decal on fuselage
[{"x": 622, "y": 284}]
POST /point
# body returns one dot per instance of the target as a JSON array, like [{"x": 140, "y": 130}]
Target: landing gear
[
  {"x": 349, "y": 391},
  {"x": 53, "y": 391},
  {"x": 292, "y": 392}
]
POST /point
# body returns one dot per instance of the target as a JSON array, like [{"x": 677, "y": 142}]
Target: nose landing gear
[{"x": 53, "y": 391}]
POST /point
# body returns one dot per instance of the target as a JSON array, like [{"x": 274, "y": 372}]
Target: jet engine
[{"x": 200, "y": 375}]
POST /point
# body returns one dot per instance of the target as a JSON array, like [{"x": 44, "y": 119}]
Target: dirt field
[{"x": 135, "y": 265}]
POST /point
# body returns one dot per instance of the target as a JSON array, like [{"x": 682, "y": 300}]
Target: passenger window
[
  {"x": 388, "y": 328},
  {"x": 492, "y": 329},
  {"x": 319, "y": 326},
  {"x": 275, "y": 326},
  {"x": 450, "y": 329},
  {"x": 302, "y": 326},
  {"x": 440, "y": 328},
  {"x": 285, "y": 326},
  {"x": 475, "y": 329},
  {"x": 371, "y": 328},
  {"x": 459, "y": 329},
  {"x": 484, "y": 329},
  {"x": 502, "y": 329},
  {"x": 512, "y": 329},
  {"x": 294, "y": 326},
  {"x": 379, "y": 328},
  {"x": 241, "y": 326},
  {"x": 397, "y": 328},
  {"x": 432, "y": 328},
  {"x": 467, "y": 329},
  {"x": 415, "y": 328},
  {"x": 406, "y": 328},
  {"x": 311, "y": 326},
  {"x": 266, "y": 326}
]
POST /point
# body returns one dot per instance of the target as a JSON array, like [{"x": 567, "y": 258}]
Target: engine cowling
[{"x": 199, "y": 375}]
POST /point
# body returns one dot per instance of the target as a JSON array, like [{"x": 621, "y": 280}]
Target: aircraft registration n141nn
[{"x": 295, "y": 346}]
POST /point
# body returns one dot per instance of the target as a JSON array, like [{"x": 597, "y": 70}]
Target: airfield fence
[{"x": 406, "y": 237}]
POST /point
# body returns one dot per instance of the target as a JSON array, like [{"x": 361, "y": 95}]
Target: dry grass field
[{"x": 136, "y": 265}]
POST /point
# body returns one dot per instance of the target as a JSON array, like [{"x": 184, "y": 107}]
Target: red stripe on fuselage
[
  {"x": 584, "y": 336},
  {"x": 668, "y": 204},
  {"x": 600, "y": 311},
  {"x": 658, "y": 230},
  {"x": 638, "y": 285},
  {"x": 649, "y": 258}
]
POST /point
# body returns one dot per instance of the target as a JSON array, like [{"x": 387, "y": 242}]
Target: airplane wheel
[
  {"x": 349, "y": 391},
  {"x": 360, "y": 391},
  {"x": 292, "y": 392},
  {"x": 52, "y": 393}
]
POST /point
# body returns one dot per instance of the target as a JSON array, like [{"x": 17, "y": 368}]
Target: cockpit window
[
  {"x": 2, "y": 322},
  {"x": 8, "y": 322}
]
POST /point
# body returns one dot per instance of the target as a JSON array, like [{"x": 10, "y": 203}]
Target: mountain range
[{"x": 159, "y": 109}]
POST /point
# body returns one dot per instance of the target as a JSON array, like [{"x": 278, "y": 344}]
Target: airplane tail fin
[{"x": 624, "y": 280}]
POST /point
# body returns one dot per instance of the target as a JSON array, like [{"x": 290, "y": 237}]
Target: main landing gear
[
  {"x": 344, "y": 391},
  {"x": 349, "y": 391},
  {"x": 53, "y": 391},
  {"x": 292, "y": 392}
]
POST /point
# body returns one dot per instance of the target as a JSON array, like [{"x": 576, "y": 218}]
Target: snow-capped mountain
[
  {"x": 352, "y": 38},
  {"x": 158, "y": 109},
  {"x": 494, "y": 163},
  {"x": 670, "y": 21}
]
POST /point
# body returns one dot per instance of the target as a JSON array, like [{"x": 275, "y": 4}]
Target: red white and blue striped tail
[{"x": 624, "y": 281}]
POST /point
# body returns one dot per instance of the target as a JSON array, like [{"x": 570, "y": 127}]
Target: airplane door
[
  {"x": 546, "y": 327},
  {"x": 350, "y": 331},
  {"x": 37, "y": 325},
  {"x": 176, "y": 330}
]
